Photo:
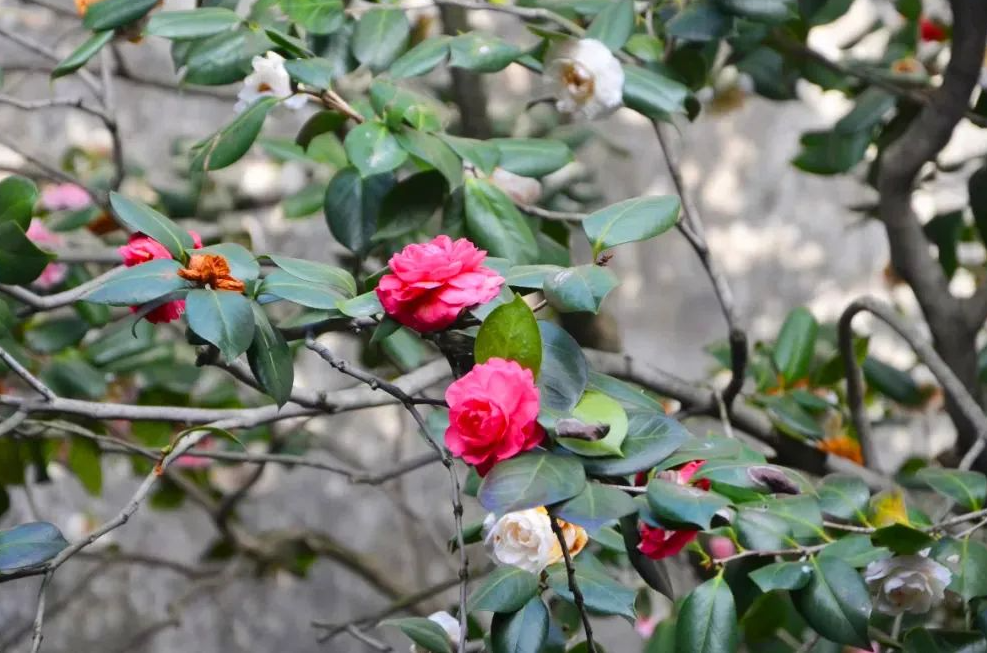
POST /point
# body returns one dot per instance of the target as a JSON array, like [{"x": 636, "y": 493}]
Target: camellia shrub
[{"x": 460, "y": 276}]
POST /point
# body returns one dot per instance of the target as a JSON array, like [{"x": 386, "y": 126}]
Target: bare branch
[
  {"x": 29, "y": 378},
  {"x": 577, "y": 595}
]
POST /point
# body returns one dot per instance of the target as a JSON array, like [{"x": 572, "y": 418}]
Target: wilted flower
[
  {"x": 448, "y": 623},
  {"x": 54, "y": 273},
  {"x": 211, "y": 270},
  {"x": 525, "y": 539},
  {"x": 906, "y": 584},
  {"x": 269, "y": 79},
  {"x": 585, "y": 78}
]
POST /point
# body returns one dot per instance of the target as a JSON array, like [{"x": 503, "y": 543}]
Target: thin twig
[
  {"x": 577, "y": 594},
  {"x": 28, "y": 378}
]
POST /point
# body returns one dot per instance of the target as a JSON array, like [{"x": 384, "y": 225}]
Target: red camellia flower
[
  {"x": 930, "y": 30},
  {"x": 432, "y": 283},
  {"x": 492, "y": 413},
  {"x": 141, "y": 249},
  {"x": 658, "y": 543}
]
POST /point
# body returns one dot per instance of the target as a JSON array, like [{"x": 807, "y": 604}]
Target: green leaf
[
  {"x": 596, "y": 506},
  {"x": 651, "y": 94},
  {"x": 140, "y": 284},
  {"x": 521, "y": 632},
  {"x": 650, "y": 439},
  {"x": 707, "y": 622},
  {"x": 699, "y": 21},
  {"x": 564, "y": 372},
  {"x": 902, "y": 539},
  {"x": 579, "y": 289},
  {"x": 29, "y": 545},
  {"x": 372, "y": 148},
  {"x": 760, "y": 530},
  {"x": 789, "y": 417},
  {"x": 424, "y": 632},
  {"x": 601, "y": 594},
  {"x": 192, "y": 23},
  {"x": 84, "y": 462},
  {"x": 352, "y": 207},
  {"x": 228, "y": 145},
  {"x": 835, "y": 603},
  {"x": 142, "y": 218},
  {"x": 82, "y": 54},
  {"x": 363, "y": 305},
  {"x": 683, "y": 504},
  {"x": 314, "y": 71},
  {"x": 481, "y": 154},
  {"x": 856, "y": 550},
  {"x": 21, "y": 262},
  {"x": 380, "y": 36},
  {"x": 831, "y": 153},
  {"x": 318, "y": 273},
  {"x": 223, "y": 318},
  {"x": 868, "y": 111},
  {"x": 801, "y": 512},
  {"x": 409, "y": 205},
  {"x": 531, "y": 480},
  {"x": 891, "y": 382},
  {"x": 532, "y": 157},
  {"x": 422, "y": 58},
  {"x": 712, "y": 447},
  {"x": 843, "y": 496},
  {"x": 55, "y": 335},
  {"x": 782, "y": 576},
  {"x": 769, "y": 11},
  {"x": 510, "y": 332},
  {"x": 304, "y": 293},
  {"x": 614, "y": 25},
  {"x": 494, "y": 223},
  {"x": 316, "y": 16},
  {"x": 482, "y": 53},
  {"x": 243, "y": 264},
  {"x": 529, "y": 276},
  {"x": 967, "y": 560},
  {"x": 632, "y": 220},
  {"x": 433, "y": 151},
  {"x": 921, "y": 640},
  {"x": 968, "y": 489},
  {"x": 595, "y": 409},
  {"x": 396, "y": 104},
  {"x": 223, "y": 58},
  {"x": 111, "y": 14},
  {"x": 507, "y": 589},
  {"x": 270, "y": 358},
  {"x": 18, "y": 195},
  {"x": 796, "y": 344}
]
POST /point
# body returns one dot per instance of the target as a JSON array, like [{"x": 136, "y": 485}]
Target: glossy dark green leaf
[
  {"x": 21, "y": 262},
  {"x": 381, "y": 35},
  {"x": 494, "y": 223},
  {"x": 902, "y": 539},
  {"x": 967, "y": 488},
  {"x": 629, "y": 221},
  {"x": 81, "y": 55},
  {"x": 831, "y": 153},
  {"x": 531, "y": 480},
  {"x": 304, "y": 293},
  {"x": 223, "y": 318},
  {"x": 510, "y": 332},
  {"x": 29, "y": 545},
  {"x": 110, "y": 14},
  {"x": 363, "y": 305},
  {"x": 140, "y": 284},
  {"x": 707, "y": 622},
  {"x": 228, "y": 145},
  {"x": 397, "y": 103},
  {"x": 650, "y": 439},
  {"x": 893, "y": 383},
  {"x": 18, "y": 195},
  {"x": 372, "y": 148},
  {"x": 869, "y": 109},
  {"x": 564, "y": 372},
  {"x": 54, "y": 335},
  {"x": 423, "y": 632},
  {"x": 843, "y": 496},
  {"x": 789, "y": 417},
  {"x": 270, "y": 358},
  {"x": 835, "y": 603},
  {"x": 483, "y": 53},
  {"x": 769, "y": 11},
  {"x": 142, "y": 218},
  {"x": 433, "y": 151},
  {"x": 318, "y": 273},
  {"x": 579, "y": 289},
  {"x": 192, "y": 23},
  {"x": 223, "y": 58},
  {"x": 796, "y": 343},
  {"x": 507, "y": 589},
  {"x": 409, "y": 205},
  {"x": 596, "y": 506},
  {"x": 595, "y": 410},
  {"x": 801, "y": 512},
  {"x": 480, "y": 153},
  {"x": 699, "y": 21},
  {"x": 532, "y": 157},
  {"x": 316, "y": 16},
  {"x": 921, "y": 640},
  {"x": 614, "y": 25},
  {"x": 523, "y": 631},
  {"x": 856, "y": 550},
  {"x": 601, "y": 593},
  {"x": 529, "y": 276},
  {"x": 782, "y": 576},
  {"x": 683, "y": 504},
  {"x": 967, "y": 560},
  {"x": 315, "y": 72},
  {"x": 352, "y": 207},
  {"x": 422, "y": 58},
  {"x": 760, "y": 530},
  {"x": 651, "y": 94}
]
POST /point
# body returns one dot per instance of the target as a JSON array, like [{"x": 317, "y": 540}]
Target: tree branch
[{"x": 577, "y": 595}]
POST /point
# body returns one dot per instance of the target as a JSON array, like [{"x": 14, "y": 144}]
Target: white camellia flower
[
  {"x": 448, "y": 623},
  {"x": 523, "y": 539},
  {"x": 906, "y": 584},
  {"x": 269, "y": 79},
  {"x": 585, "y": 78}
]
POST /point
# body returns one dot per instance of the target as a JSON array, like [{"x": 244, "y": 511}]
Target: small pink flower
[
  {"x": 54, "y": 273},
  {"x": 720, "y": 547},
  {"x": 141, "y": 249},
  {"x": 492, "y": 414},
  {"x": 65, "y": 197},
  {"x": 645, "y": 626},
  {"x": 432, "y": 283}
]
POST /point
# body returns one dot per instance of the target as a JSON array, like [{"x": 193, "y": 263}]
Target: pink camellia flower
[
  {"x": 54, "y": 273},
  {"x": 65, "y": 197},
  {"x": 658, "y": 543},
  {"x": 141, "y": 249},
  {"x": 431, "y": 283},
  {"x": 492, "y": 413}
]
